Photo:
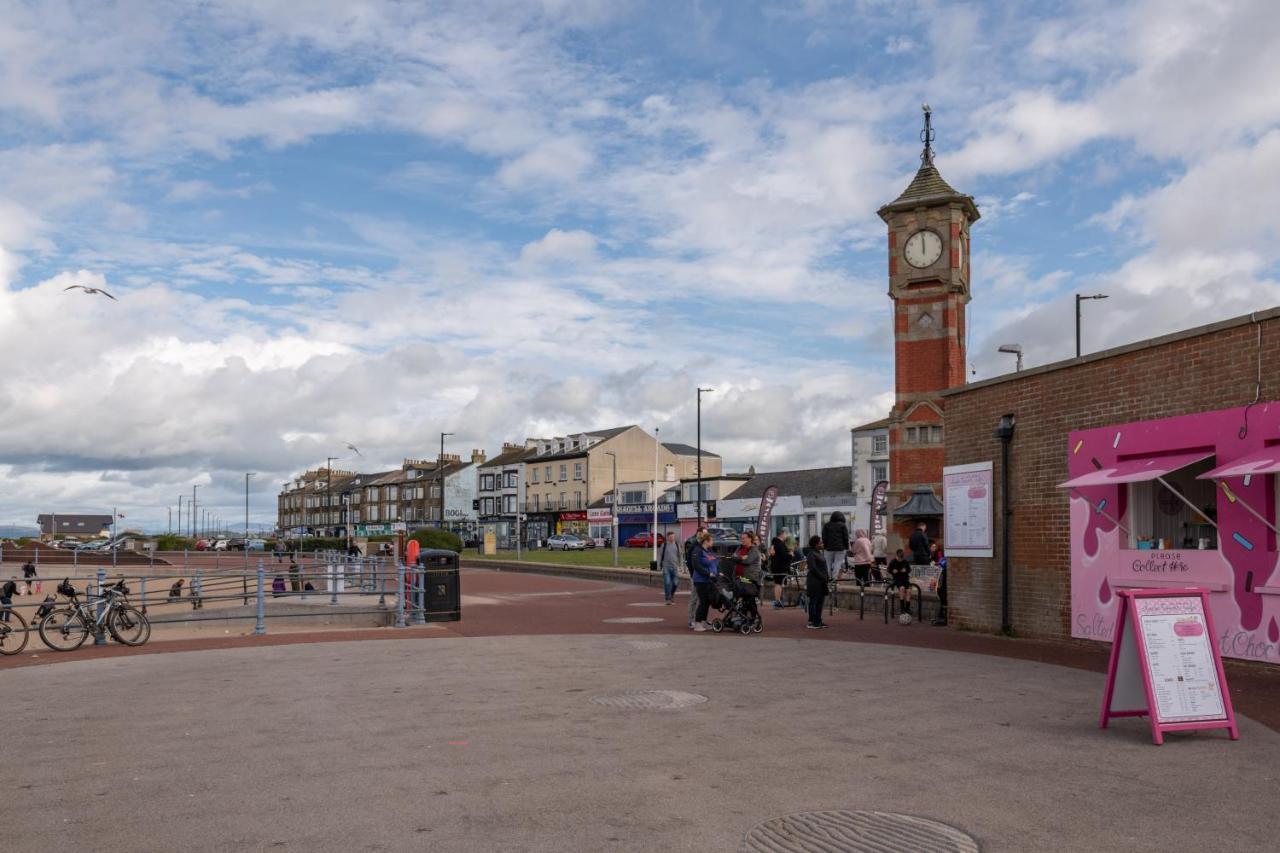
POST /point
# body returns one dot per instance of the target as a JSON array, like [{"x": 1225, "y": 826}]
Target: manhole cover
[
  {"x": 856, "y": 832},
  {"x": 632, "y": 620},
  {"x": 646, "y": 644},
  {"x": 652, "y": 700}
]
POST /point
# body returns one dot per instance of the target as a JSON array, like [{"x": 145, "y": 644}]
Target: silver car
[{"x": 565, "y": 542}]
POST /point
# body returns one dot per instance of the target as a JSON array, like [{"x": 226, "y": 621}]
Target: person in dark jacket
[
  {"x": 780, "y": 564},
  {"x": 703, "y": 569},
  {"x": 689, "y": 545},
  {"x": 919, "y": 545},
  {"x": 815, "y": 580},
  {"x": 7, "y": 592},
  {"x": 835, "y": 544}
]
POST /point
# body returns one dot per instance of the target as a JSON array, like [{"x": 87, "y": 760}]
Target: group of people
[{"x": 826, "y": 559}]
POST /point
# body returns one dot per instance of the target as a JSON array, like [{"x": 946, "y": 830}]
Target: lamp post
[
  {"x": 614, "y": 507},
  {"x": 247, "y": 475},
  {"x": 1016, "y": 349},
  {"x": 1004, "y": 432},
  {"x": 328, "y": 495},
  {"x": 654, "y": 495},
  {"x": 440, "y": 477},
  {"x": 191, "y": 511},
  {"x": 180, "y": 527},
  {"x": 1080, "y": 299},
  {"x": 701, "y": 391}
]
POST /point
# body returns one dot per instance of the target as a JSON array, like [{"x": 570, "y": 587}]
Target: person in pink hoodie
[{"x": 863, "y": 557}]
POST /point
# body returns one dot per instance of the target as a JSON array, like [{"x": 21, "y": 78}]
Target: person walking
[
  {"x": 835, "y": 544},
  {"x": 669, "y": 561},
  {"x": 29, "y": 575},
  {"x": 816, "y": 580},
  {"x": 689, "y": 545},
  {"x": 702, "y": 568},
  {"x": 780, "y": 564},
  {"x": 863, "y": 557}
]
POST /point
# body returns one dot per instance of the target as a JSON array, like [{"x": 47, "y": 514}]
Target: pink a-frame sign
[{"x": 1165, "y": 665}]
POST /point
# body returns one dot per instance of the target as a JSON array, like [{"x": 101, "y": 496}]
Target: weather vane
[{"x": 926, "y": 136}]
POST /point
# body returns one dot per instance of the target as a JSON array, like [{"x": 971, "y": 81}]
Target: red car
[
  {"x": 643, "y": 540},
  {"x": 204, "y": 545}
]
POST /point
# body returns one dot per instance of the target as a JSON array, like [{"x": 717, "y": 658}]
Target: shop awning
[
  {"x": 1136, "y": 470},
  {"x": 1264, "y": 461}
]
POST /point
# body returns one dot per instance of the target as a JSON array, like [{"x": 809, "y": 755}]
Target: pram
[{"x": 736, "y": 599}]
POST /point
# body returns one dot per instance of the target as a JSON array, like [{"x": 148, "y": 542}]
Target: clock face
[{"x": 922, "y": 249}]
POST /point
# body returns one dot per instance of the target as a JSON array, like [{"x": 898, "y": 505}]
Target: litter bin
[{"x": 443, "y": 594}]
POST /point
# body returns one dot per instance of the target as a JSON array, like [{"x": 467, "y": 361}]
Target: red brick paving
[{"x": 529, "y": 604}]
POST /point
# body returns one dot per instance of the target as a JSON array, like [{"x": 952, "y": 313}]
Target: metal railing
[{"x": 172, "y": 595}]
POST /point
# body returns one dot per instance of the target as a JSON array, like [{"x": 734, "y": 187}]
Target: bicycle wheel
[
  {"x": 13, "y": 634},
  {"x": 64, "y": 629},
  {"x": 128, "y": 625}
]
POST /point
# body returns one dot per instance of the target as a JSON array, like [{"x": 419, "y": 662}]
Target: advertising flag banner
[
  {"x": 767, "y": 502},
  {"x": 879, "y": 506}
]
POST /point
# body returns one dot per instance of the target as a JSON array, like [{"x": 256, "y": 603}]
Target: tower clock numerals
[{"x": 922, "y": 248}]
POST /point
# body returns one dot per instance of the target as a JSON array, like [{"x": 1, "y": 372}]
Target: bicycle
[
  {"x": 65, "y": 629},
  {"x": 13, "y": 639}
]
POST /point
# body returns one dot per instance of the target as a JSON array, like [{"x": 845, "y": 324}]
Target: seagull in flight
[
  {"x": 352, "y": 447},
  {"x": 91, "y": 291}
]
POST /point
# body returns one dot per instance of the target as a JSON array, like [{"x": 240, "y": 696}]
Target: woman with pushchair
[
  {"x": 702, "y": 572},
  {"x": 748, "y": 573}
]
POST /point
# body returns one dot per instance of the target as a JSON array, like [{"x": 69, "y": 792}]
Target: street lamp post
[
  {"x": 701, "y": 391},
  {"x": 1016, "y": 349},
  {"x": 247, "y": 475},
  {"x": 440, "y": 477},
  {"x": 328, "y": 495},
  {"x": 1080, "y": 299},
  {"x": 613, "y": 523},
  {"x": 191, "y": 511},
  {"x": 180, "y": 527},
  {"x": 654, "y": 495}
]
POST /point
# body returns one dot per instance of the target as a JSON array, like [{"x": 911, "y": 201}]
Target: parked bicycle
[
  {"x": 65, "y": 629},
  {"x": 13, "y": 633}
]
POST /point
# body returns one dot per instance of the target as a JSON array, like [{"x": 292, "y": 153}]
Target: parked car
[
  {"x": 204, "y": 544},
  {"x": 235, "y": 544},
  {"x": 255, "y": 544},
  {"x": 643, "y": 540},
  {"x": 565, "y": 542},
  {"x": 221, "y": 545}
]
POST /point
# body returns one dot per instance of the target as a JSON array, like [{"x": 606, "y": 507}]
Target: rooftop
[
  {"x": 687, "y": 450},
  {"x": 807, "y": 483}
]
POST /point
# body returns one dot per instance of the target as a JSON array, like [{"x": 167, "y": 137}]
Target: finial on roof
[{"x": 926, "y": 136}]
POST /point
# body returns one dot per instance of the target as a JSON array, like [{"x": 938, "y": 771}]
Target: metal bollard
[
  {"x": 142, "y": 593},
  {"x": 420, "y": 597},
  {"x": 260, "y": 627},
  {"x": 100, "y": 635},
  {"x": 400, "y": 595},
  {"x": 380, "y": 576},
  {"x": 333, "y": 583}
]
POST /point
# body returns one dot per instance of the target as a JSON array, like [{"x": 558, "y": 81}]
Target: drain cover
[
  {"x": 856, "y": 832},
  {"x": 632, "y": 620},
  {"x": 652, "y": 700},
  {"x": 646, "y": 644}
]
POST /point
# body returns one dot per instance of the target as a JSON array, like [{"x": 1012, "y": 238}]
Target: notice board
[
  {"x": 967, "y": 510},
  {"x": 1165, "y": 665}
]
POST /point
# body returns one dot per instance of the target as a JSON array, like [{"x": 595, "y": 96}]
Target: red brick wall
[{"x": 1215, "y": 368}]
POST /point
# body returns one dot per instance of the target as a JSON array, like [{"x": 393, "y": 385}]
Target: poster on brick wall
[{"x": 967, "y": 510}]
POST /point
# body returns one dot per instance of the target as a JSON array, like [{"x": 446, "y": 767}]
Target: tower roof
[{"x": 928, "y": 187}]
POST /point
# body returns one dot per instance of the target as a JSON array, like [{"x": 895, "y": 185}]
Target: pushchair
[{"x": 737, "y": 601}]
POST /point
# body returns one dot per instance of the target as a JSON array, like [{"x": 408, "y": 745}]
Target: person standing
[
  {"x": 7, "y": 593},
  {"x": 780, "y": 564},
  {"x": 702, "y": 569},
  {"x": 669, "y": 561},
  {"x": 900, "y": 579},
  {"x": 689, "y": 545},
  {"x": 816, "y": 580},
  {"x": 835, "y": 544},
  {"x": 862, "y": 557},
  {"x": 919, "y": 545},
  {"x": 879, "y": 552}
]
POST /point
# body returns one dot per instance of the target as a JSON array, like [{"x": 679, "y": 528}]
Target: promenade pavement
[{"x": 535, "y": 740}]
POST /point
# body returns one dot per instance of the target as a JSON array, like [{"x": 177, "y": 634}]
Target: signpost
[{"x": 1165, "y": 664}]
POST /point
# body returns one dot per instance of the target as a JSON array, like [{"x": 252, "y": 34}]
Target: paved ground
[{"x": 494, "y": 742}]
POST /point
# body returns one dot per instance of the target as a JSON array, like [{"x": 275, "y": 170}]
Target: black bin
[{"x": 442, "y": 600}]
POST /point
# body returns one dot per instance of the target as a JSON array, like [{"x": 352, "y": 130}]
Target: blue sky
[{"x": 378, "y": 220}]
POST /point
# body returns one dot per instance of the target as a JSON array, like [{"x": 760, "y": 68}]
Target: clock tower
[{"x": 929, "y": 285}]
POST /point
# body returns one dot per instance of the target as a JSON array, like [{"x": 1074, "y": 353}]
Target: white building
[{"x": 869, "y": 465}]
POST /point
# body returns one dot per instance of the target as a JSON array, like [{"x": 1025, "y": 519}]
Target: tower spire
[{"x": 926, "y": 136}]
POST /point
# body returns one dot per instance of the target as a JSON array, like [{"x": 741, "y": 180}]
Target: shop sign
[
  {"x": 575, "y": 515},
  {"x": 643, "y": 518},
  {"x": 636, "y": 509},
  {"x": 599, "y": 515},
  {"x": 373, "y": 529}
]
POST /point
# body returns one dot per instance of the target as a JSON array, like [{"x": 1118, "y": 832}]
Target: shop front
[
  {"x": 599, "y": 525},
  {"x": 574, "y": 523},
  {"x": 1189, "y": 501},
  {"x": 634, "y": 519}
]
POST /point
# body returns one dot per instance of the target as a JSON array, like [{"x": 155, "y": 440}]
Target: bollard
[
  {"x": 333, "y": 583},
  {"x": 260, "y": 627},
  {"x": 142, "y": 593},
  {"x": 197, "y": 601},
  {"x": 400, "y": 595},
  {"x": 99, "y": 635},
  {"x": 381, "y": 578}
]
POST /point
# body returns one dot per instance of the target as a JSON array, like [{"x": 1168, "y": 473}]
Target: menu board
[
  {"x": 967, "y": 509},
  {"x": 1180, "y": 662}
]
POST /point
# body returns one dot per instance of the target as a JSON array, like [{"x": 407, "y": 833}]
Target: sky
[{"x": 378, "y": 221}]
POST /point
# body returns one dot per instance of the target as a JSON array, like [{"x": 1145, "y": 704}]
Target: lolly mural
[{"x": 1242, "y": 448}]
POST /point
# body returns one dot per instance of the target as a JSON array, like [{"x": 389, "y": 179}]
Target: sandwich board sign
[{"x": 1165, "y": 665}]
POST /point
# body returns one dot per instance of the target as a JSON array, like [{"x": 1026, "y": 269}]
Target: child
[
  {"x": 175, "y": 591},
  {"x": 900, "y": 577}
]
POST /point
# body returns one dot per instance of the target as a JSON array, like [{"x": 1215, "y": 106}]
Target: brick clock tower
[{"x": 929, "y": 285}]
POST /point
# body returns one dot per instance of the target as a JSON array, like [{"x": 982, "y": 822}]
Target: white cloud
[{"x": 556, "y": 245}]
